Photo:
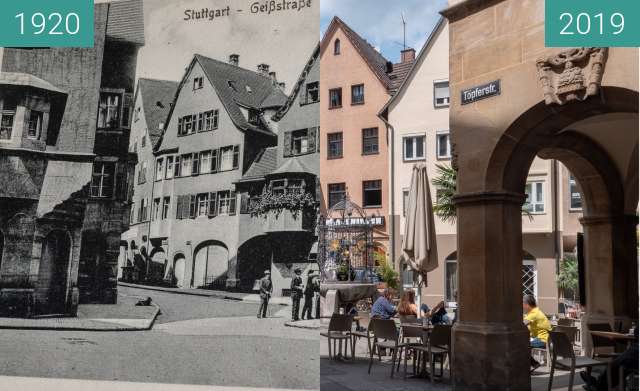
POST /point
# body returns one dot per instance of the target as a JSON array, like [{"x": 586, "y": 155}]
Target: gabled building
[
  {"x": 152, "y": 102},
  {"x": 219, "y": 123},
  {"x": 64, "y": 162},
  {"x": 356, "y": 82},
  {"x": 279, "y": 200},
  {"x": 418, "y": 122}
]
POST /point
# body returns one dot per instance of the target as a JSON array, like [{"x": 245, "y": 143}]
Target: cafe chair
[
  {"x": 419, "y": 348},
  {"x": 439, "y": 348},
  {"x": 339, "y": 330},
  {"x": 384, "y": 329},
  {"x": 563, "y": 357}
]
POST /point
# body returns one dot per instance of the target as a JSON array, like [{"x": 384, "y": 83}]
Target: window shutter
[
  {"x": 185, "y": 206},
  {"x": 192, "y": 206},
  {"x": 180, "y": 126},
  {"x": 195, "y": 164},
  {"x": 287, "y": 144},
  {"x": 200, "y": 121},
  {"x": 179, "y": 208},
  {"x": 127, "y": 106},
  {"x": 213, "y": 210},
  {"x": 232, "y": 203},
  {"x": 214, "y": 160},
  {"x": 176, "y": 166},
  {"x": 312, "y": 135},
  {"x": 236, "y": 157},
  {"x": 244, "y": 203}
]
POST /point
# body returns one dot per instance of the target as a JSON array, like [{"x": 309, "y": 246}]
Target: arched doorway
[
  {"x": 53, "y": 273},
  {"x": 254, "y": 257},
  {"x": 210, "y": 264},
  {"x": 179, "y": 266},
  {"x": 492, "y": 192}
]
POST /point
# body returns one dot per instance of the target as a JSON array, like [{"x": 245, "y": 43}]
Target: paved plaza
[
  {"x": 195, "y": 340},
  {"x": 352, "y": 375}
]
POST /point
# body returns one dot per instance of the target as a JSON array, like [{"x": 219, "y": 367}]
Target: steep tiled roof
[
  {"x": 238, "y": 87},
  {"x": 126, "y": 21},
  {"x": 157, "y": 97},
  {"x": 400, "y": 72},
  {"x": 376, "y": 61},
  {"x": 293, "y": 166},
  {"x": 264, "y": 164}
]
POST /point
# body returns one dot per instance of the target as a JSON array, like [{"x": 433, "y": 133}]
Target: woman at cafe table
[{"x": 538, "y": 325}]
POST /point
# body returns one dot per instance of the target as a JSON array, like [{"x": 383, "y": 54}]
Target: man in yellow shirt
[{"x": 538, "y": 324}]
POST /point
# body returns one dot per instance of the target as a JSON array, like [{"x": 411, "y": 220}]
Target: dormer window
[
  {"x": 336, "y": 47},
  {"x": 313, "y": 93},
  {"x": 254, "y": 117},
  {"x": 34, "y": 126},
  {"x": 198, "y": 83},
  {"x": 232, "y": 85}
]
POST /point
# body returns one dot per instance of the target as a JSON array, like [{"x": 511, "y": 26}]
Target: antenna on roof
[{"x": 404, "y": 32}]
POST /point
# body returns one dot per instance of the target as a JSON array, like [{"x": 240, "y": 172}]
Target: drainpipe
[{"x": 392, "y": 198}]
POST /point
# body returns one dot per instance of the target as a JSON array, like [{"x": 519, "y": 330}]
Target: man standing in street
[
  {"x": 266, "y": 289},
  {"x": 296, "y": 294},
  {"x": 308, "y": 296}
]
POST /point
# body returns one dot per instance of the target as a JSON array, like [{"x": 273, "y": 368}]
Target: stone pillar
[
  {"x": 599, "y": 275},
  {"x": 490, "y": 342}
]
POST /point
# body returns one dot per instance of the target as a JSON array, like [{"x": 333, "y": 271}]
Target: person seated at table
[
  {"x": 383, "y": 308},
  {"x": 407, "y": 306},
  {"x": 628, "y": 360},
  {"x": 438, "y": 314},
  {"x": 538, "y": 325}
]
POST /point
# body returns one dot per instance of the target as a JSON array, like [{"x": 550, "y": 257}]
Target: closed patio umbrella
[{"x": 419, "y": 249}]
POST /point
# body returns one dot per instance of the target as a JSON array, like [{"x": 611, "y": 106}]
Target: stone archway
[
  {"x": 53, "y": 273},
  {"x": 210, "y": 265},
  {"x": 490, "y": 235}
]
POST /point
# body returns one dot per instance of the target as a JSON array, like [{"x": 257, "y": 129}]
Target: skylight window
[
  {"x": 249, "y": 90},
  {"x": 232, "y": 85}
]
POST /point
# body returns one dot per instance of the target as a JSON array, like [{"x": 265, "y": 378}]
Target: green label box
[
  {"x": 591, "y": 23},
  {"x": 46, "y": 23}
]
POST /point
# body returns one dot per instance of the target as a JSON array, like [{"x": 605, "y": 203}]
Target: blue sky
[{"x": 380, "y": 21}]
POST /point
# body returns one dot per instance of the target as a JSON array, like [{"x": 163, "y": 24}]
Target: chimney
[
  {"x": 407, "y": 55},
  {"x": 263, "y": 69},
  {"x": 273, "y": 77},
  {"x": 234, "y": 59}
]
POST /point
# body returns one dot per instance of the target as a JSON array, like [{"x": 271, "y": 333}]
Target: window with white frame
[
  {"x": 278, "y": 186},
  {"x": 155, "y": 209},
  {"x": 300, "y": 141},
  {"x": 441, "y": 93},
  {"x": 109, "y": 110},
  {"x": 443, "y": 145},
  {"x": 186, "y": 165},
  {"x": 224, "y": 202},
  {"x": 574, "y": 194},
  {"x": 226, "y": 158},
  {"x": 203, "y": 204},
  {"x": 159, "y": 169},
  {"x": 535, "y": 197},
  {"x": 102, "y": 179},
  {"x": 205, "y": 162},
  {"x": 451, "y": 279},
  {"x": 198, "y": 82},
  {"x": 413, "y": 147},
  {"x": 169, "y": 168},
  {"x": 166, "y": 202},
  {"x": 211, "y": 120}
]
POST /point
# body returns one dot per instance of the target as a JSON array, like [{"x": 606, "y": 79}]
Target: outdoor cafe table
[
  {"x": 427, "y": 330},
  {"x": 614, "y": 336}
]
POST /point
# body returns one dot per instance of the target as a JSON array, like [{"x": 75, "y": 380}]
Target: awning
[{"x": 27, "y": 80}]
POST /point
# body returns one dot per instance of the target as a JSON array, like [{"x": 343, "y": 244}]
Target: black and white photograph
[{"x": 158, "y": 206}]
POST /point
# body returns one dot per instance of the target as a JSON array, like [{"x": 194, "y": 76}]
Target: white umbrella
[{"x": 419, "y": 248}]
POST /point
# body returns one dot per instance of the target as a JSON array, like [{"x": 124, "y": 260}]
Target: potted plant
[
  {"x": 342, "y": 272},
  {"x": 387, "y": 274}
]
